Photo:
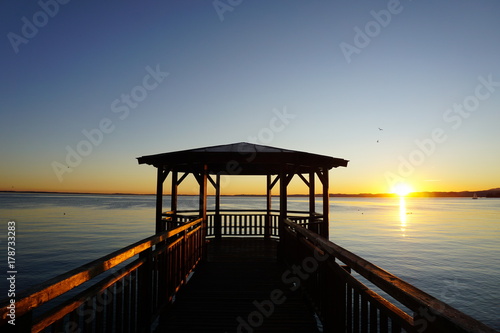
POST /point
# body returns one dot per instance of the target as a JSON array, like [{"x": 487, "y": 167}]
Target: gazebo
[{"x": 278, "y": 165}]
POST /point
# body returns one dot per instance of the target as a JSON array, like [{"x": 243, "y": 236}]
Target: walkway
[{"x": 239, "y": 289}]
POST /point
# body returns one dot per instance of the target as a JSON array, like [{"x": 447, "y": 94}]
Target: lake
[{"x": 448, "y": 247}]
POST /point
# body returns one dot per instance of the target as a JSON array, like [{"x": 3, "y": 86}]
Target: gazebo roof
[{"x": 243, "y": 159}]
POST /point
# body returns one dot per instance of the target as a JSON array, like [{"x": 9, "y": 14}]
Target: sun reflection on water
[{"x": 402, "y": 215}]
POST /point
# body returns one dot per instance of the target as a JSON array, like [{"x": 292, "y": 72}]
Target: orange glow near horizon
[{"x": 143, "y": 181}]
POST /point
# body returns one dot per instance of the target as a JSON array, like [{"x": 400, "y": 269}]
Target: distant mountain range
[{"x": 492, "y": 193}]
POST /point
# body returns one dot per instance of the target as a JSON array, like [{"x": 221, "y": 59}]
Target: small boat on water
[{"x": 474, "y": 196}]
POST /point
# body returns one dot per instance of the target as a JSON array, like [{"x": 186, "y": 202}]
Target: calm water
[{"x": 448, "y": 247}]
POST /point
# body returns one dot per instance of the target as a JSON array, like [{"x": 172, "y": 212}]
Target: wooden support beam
[
  {"x": 198, "y": 177},
  {"x": 304, "y": 179},
  {"x": 321, "y": 175},
  {"x": 182, "y": 178},
  {"x": 210, "y": 179},
  {"x": 288, "y": 178},
  {"x": 274, "y": 182}
]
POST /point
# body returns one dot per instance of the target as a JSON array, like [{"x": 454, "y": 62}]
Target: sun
[{"x": 402, "y": 189}]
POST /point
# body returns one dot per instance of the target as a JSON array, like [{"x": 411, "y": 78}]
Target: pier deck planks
[{"x": 238, "y": 272}]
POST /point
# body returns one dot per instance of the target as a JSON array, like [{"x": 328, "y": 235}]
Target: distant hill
[{"x": 492, "y": 193}]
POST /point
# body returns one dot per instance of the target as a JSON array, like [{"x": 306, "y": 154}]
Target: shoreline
[{"x": 492, "y": 193}]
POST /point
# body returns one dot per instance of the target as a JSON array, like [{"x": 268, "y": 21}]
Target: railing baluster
[
  {"x": 119, "y": 306},
  {"x": 74, "y": 322},
  {"x": 265, "y": 231},
  {"x": 243, "y": 224},
  {"x": 373, "y": 317},
  {"x": 58, "y": 326},
  {"x": 237, "y": 225},
  {"x": 240, "y": 224},
  {"x": 87, "y": 312},
  {"x": 364, "y": 314},
  {"x": 126, "y": 304},
  {"x": 383, "y": 323},
  {"x": 145, "y": 289},
  {"x": 356, "y": 312},
  {"x": 395, "y": 326},
  {"x": 108, "y": 297},
  {"x": 99, "y": 321},
  {"x": 349, "y": 308}
]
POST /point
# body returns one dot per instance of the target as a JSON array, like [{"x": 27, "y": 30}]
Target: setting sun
[{"x": 402, "y": 189}]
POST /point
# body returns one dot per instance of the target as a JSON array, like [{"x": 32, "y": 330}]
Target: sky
[{"x": 407, "y": 91}]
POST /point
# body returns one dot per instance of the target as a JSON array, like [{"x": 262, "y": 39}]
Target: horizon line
[{"x": 362, "y": 194}]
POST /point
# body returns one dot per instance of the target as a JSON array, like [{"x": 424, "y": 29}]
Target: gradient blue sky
[{"x": 421, "y": 74}]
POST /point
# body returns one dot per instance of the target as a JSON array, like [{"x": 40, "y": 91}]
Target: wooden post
[
  {"x": 283, "y": 213},
  {"x": 217, "y": 218},
  {"x": 162, "y": 175},
  {"x": 267, "y": 222},
  {"x": 283, "y": 200},
  {"x": 203, "y": 205},
  {"x": 312, "y": 204},
  {"x": 203, "y": 193},
  {"x": 173, "y": 198},
  {"x": 159, "y": 200},
  {"x": 325, "y": 225}
]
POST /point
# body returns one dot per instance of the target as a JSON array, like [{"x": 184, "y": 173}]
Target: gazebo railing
[
  {"x": 243, "y": 223},
  {"x": 239, "y": 225}
]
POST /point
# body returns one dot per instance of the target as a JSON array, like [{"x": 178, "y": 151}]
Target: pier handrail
[
  {"x": 237, "y": 210},
  {"x": 135, "y": 294},
  {"x": 430, "y": 314},
  {"x": 38, "y": 295}
]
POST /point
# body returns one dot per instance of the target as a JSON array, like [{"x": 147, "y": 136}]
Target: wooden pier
[
  {"x": 211, "y": 270},
  {"x": 239, "y": 288}
]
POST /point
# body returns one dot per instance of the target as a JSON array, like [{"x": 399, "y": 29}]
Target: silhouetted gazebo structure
[{"x": 277, "y": 164}]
